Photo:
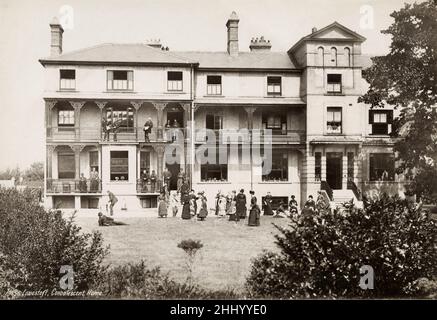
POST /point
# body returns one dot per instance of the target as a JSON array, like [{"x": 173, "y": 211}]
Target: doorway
[
  {"x": 334, "y": 169},
  {"x": 177, "y": 115},
  {"x": 174, "y": 170}
]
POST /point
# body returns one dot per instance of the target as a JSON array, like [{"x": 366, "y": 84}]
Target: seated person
[
  {"x": 105, "y": 221},
  {"x": 280, "y": 212}
]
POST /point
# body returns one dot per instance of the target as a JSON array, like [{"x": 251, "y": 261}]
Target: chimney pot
[
  {"x": 260, "y": 45},
  {"x": 313, "y": 30}
]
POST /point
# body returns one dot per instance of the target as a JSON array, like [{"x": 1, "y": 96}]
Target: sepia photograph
[{"x": 241, "y": 152}]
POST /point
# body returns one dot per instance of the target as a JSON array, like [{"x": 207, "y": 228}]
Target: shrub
[
  {"x": 35, "y": 243},
  {"x": 136, "y": 281},
  {"x": 321, "y": 254},
  {"x": 190, "y": 247}
]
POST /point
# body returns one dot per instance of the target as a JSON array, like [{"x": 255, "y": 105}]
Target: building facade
[{"x": 295, "y": 113}]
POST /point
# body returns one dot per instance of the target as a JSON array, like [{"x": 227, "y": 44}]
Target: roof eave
[{"x": 45, "y": 62}]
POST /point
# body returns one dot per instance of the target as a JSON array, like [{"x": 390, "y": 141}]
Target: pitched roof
[
  {"x": 244, "y": 60},
  {"x": 110, "y": 53},
  {"x": 318, "y": 35}
]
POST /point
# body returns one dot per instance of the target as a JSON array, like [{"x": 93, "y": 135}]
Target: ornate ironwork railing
[{"x": 88, "y": 186}]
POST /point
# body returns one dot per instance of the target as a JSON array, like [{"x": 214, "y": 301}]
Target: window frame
[
  {"x": 284, "y": 172},
  {"x": 177, "y": 82},
  {"x": 274, "y": 93},
  {"x": 72, "y": 116},
  {"x": 129, "y": 83},
  {"x": 380, "y": 127},
  {"x": 331, "y": 86},
  {"x": 216, "y": 85},
  {"x": 118, "y": 109},
  {"x": 62, "y": 174},
  {"x": 112, "y": 174},
  {"x": 71, "y": 80},
  {"x": 222, "y": 168},
  {"x": 334, "y": 110},
  {"x": 373, "y": 176}
]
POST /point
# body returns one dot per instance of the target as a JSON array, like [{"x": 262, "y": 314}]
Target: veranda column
[
  {"x": 49, "y": 107},
  {"x": 101, "y": 105},
  {"x": 159, "y": 149},
  {"x": 77, "y": 105},
  {"x": 188, "y": 143},
  {"x": 250, "y": 110},
  {"x": 323, "y": 164},
  {"x": 160, "y": 119},
  {"x": 77, "y": 149},
  {"x": 49, "y": 165},
  {"x": 344, "y": 180},
  {"x": 137, "y": 106}
]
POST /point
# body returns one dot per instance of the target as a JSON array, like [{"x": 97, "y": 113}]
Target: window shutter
[
  {"x": 370, "y": 117},
  {"x": 390, "y": 116}
]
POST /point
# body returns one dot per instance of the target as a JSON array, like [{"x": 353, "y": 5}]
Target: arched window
[
  {"x": 320, "y": 56},
  {"x": 333, "y": 56},
  {"x": 347, "y": 57}
]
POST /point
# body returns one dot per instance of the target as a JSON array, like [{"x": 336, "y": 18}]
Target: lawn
[{"x": 223, "y": 262}]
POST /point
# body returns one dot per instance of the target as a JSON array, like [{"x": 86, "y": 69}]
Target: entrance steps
[{"x": 344, "y": 195}]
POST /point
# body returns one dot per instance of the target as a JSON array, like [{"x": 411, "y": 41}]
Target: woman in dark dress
[
  {"x": 241, "y": 205},
  {"x": 203, "y": 212},
  {"x": 254, "y": 214},
  {"x": 268, "y": 204},
  {"x": 186, "y": 207}
]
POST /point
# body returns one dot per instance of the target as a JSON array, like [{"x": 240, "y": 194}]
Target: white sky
[{"x": 180, "y": 24}]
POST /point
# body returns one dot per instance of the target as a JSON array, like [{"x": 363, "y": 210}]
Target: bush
[
  {"x": 35, "y": 243},
  {"x": 136, "y": 281},
  {"x": 321, "y": 254}
]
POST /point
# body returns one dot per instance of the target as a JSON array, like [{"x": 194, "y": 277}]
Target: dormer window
[
  {"x": 274, "y": 86},
  {"x": 67, "y": 79},
  {"x": 334, "y": 83},
  {"x": 174, "y": 81},
  {"x": 120, "y": 80}
]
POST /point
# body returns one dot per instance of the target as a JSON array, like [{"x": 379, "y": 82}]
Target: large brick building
[{"x": 302, "y": 103}]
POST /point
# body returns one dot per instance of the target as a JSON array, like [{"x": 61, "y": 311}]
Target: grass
[{"x": 223, "y": 263}]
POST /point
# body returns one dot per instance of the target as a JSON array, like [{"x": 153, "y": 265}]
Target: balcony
[
  {"x": 243, "y": 136},
  {"x": 73, "y": 186},
  {"x": 94, "y": 134},
  {"x": 148, "y": 188}
]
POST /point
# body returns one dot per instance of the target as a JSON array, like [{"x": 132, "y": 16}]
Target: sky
[{"x": 182, "y": 25}]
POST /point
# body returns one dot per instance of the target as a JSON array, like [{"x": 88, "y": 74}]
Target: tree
[
  {"x": 406, "y": 79},
  {"x": 8, "y": 174},
  {"x": 35, "y": 172},
  {"x": 321, "y": 255}
]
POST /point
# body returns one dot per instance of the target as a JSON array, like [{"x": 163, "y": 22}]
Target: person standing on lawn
[
  {"x": 162, "y": 206},
  {"x": 254, "y": 214},
  {"x": 112, "y": 201},
  {"x": 268, "y": 204},
  {"x": 186, "y": 207},
  {"x": 241, "y": 205},
  {"x": 203, "y": 212},
  {"x": 181, "y": 178}
]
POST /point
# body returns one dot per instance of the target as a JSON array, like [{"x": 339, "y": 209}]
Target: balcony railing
[
  {"x": 74, "y": 186},
  {"x": 148, "y": 187},
  {"x": 121, "y": 135},
  {"x": 230, "y": 136}
]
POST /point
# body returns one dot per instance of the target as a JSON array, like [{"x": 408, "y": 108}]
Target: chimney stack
[
  {"x": 260, "y": 45},
  {"x": 232, "y": 26},
  {"x": 56, "y": 37},
  {"x": 154, "y": 43}
]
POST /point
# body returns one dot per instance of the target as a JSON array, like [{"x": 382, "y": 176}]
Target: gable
[{"x": 334, "y": 34}]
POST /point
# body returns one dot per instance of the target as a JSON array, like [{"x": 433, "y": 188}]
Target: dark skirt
[
  {"x": 268, "y": 210},
  {"x": 203, "y": 212},
  {"x": 186, "y": 211},
  {"x": 241, "y": 210},
  {"x": 254, "y": 217}
]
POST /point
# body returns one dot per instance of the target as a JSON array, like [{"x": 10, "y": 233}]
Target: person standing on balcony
[
  {"x": 82, "y": 183},
  {"x": 147, "y": 129},
  {"x": 153, "y": 179},
  {"x": 241, "y": 204},
  {"x": 112, "y": 201},
  {"x": 167, "y": 176},
  {"x": 268, "y": 204},
  {"x": 94, "y": 180}
]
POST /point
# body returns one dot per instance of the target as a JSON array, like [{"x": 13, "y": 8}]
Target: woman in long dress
[
  {"x": 186, "y": 207},
  {"x": 233, "y": 216},
  {"x": 268, "y": 211},
  {"x": 203, "y": 212},
  {"x": 241, "y": 205},
  {"x": 254, "y": 214},
  {"x": 162, "y": 207},
  {"x": 222, "y": 206}
]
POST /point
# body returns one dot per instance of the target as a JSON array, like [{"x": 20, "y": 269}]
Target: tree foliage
[
  {"x": 321, "y": 255},
  {"x": 406, "y": 78}
]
